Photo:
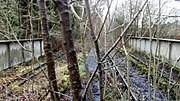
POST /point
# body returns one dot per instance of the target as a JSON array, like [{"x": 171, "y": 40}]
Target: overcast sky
[
  {"x": 169, "y": 5},
  {"x": 170, "y": 8}
]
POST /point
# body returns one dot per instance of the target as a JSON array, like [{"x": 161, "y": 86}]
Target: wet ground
[
  {"x": 92, "y": 64},
  {"x": 139, "y": 84}
]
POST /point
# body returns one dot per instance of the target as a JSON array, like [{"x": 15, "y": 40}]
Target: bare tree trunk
[
  {"x": 97, "y": 49},
  {"x": 48, "y": 53},
  {"x": 69, "y": 48},
  {"x": 86, "y": 66},
  {"x": 150, "y": 60}
]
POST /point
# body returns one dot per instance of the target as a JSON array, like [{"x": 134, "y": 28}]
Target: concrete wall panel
[
  {"x": 164, "y": 49},
  {"x": 28, "y": 54},
  {"x": 175, "y": 53},
  {"x": 169, "y": 49},
  {"x": 15, "y": 54},
  {"x": 3, "y": 56},
  {"x": 37, "y": 48},
  {"x": 12, "y": 54}
]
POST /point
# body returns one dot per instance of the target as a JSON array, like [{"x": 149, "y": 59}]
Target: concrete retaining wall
[
  {"x": 169, "y": 48},
  {"x": 12, "y": 53}
]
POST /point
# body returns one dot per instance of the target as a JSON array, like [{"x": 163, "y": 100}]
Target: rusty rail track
[
  {"x": 23, "y": 78},
  {"x": 32, "y": 73},
  {"x": 133, "y": 96},
  {"x": 162, "y": 73}
]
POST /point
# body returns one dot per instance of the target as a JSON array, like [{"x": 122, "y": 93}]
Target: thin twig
[
  {"x": 104, "y": 21},
  {"x": 114, "y": 45}
]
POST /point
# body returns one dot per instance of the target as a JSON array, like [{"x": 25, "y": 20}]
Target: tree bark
[
  {"x": 63, "y": 9},
  {"x": 48, "y": 53},
  {"x": 95, "y": 40}
]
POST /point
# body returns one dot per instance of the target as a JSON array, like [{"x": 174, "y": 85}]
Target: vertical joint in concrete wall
[
  {"x": 169, "y": 52},
  {"x": 23, "y": 55},
  {"x": 9, "y": 56},
  {"x": 133, "y": 42},
  {"x": 145, "y": 48},
  {"x": 33, "y": 49},
  {"x": 159, "y": 48},
  {"x": 139, "y": 44},
  {"x": 136, "y": 44},
  {"x": 40, "y": 47}
]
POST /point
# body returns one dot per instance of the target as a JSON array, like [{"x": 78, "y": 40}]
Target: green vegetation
[
  {"x": 73, "y": 28},
  {"x": 162, "y": 81},
  {"x": 139, "y": 66}
]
